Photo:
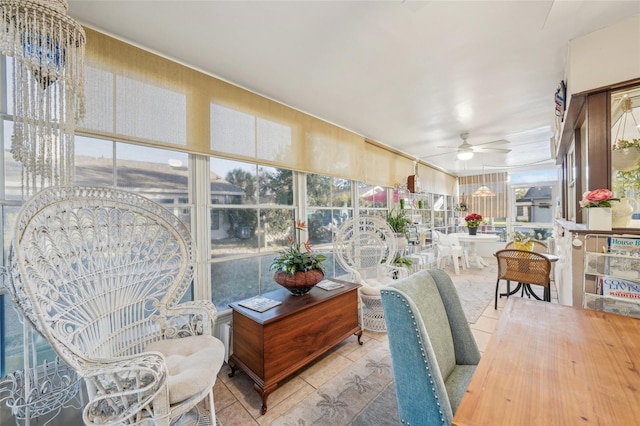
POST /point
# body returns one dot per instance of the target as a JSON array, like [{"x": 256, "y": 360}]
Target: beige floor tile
[
  {"x": 491, "y": 312},
  {"x": 222, "y": 396},
  {"x": 486, "y": 324},
  {"x": 235, "y": 415},
  {"x": 285, "y": 397},
  {"x": 325, "y": 369},
  {"x": 367, "y": 347},
  {"x": 482, "y": 339}
]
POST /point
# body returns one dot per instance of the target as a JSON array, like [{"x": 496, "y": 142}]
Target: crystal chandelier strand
[{"x": 47, "y": 47}]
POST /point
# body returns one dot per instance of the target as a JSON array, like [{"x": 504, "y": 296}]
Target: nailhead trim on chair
[{"x": 424, "y": 357}]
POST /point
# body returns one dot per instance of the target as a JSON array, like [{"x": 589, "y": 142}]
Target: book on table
[
  {"x": 329, "y": 285},
  {"x": 259, "y": 303}
]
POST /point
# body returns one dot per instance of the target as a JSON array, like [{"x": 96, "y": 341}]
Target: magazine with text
[
  {"x": 625, "y": 266},
  {"x": 618, "y": 287},
  {"x": 259, "y": 303}
]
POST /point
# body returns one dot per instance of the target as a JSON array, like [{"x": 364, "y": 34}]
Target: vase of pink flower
[{"x": 598, "y": 205}]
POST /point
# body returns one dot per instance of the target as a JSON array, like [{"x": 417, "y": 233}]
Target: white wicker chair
[
  {"x": 361, "y": 245},
  {"x": 100, "y": 274}
]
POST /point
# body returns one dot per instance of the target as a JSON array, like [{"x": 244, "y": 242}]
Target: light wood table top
[{"x": 548, "y": 364}]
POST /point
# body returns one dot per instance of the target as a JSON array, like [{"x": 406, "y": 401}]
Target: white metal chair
[
  {"x": 100, "y": 274},
  {"x": 449, "y": 249},
  {"x": 362, "y": 247}
]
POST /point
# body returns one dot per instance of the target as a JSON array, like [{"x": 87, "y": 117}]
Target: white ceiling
[{"x": 409, "y": 74}]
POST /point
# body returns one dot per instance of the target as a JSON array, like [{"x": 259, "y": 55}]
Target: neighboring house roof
[
  {"x": 536, "y": 193},
  {"x": 146, "y": 175}
]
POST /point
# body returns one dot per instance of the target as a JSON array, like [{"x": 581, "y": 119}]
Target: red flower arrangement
[
  {"x": 473, "y": 220},
  {"x": 296, "y": 259}
]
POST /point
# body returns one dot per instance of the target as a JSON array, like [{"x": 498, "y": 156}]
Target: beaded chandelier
[{"x": 47, "y": 47}]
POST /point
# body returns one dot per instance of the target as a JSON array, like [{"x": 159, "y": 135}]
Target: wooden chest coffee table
[{"x": 272, "y": 345}]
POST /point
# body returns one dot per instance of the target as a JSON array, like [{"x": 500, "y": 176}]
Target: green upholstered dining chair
[{"x": 433, "y": 352}]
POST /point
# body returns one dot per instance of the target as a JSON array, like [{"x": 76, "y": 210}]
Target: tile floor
[{"x": 238, "y": 404}]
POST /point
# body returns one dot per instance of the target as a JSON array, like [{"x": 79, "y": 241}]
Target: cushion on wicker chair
[
  {"x": 193, "y": 363},
  {"x": 373, "y": 285}
]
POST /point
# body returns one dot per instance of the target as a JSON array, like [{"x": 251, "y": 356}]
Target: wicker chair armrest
[
  {"x": 191, "y": 319},
  {"x": 124, "y": 388}
]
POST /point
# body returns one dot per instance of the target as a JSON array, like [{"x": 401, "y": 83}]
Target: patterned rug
[
  {"x": 365, "y": 394},
  {"x": 344, "y": 397},
  {"x": 476, "y": 290}
]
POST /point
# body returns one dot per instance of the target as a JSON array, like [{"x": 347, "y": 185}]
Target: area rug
[
  {"x": 475, "y": 295},
  {"x": 341, "y": 399},
  {"x": 365, "y": 394},
  {"x": 476, "y": 290},
  {"x": 381, "y": 411}
]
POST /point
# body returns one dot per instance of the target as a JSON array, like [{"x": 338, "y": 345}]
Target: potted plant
[
  {"x": 398, "y": 221},
  {"x": 522, "y": 241},
  {"x": 399, "y": 262},
  {"x": 298, "y": 269},
  {"x": 473, "y": 221},
  {"x": 625, "y": 155},
  {"x": 598, "y": 202},
  {"x": 461, "y": 207}
]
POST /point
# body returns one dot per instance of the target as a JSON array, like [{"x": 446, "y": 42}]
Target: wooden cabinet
[{"x": 272, "y": 345}]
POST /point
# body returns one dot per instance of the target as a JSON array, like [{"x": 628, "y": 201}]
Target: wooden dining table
[{"x": 548, "y": 364}]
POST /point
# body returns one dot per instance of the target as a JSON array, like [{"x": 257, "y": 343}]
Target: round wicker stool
[{"x": 372, "y": 314}]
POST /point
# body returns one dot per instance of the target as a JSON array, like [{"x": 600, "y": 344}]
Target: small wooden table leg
[
  {"x": 359, "y": 334},
  {"x": 264, "y": 394},
  {"x": 233, "y": 367}
]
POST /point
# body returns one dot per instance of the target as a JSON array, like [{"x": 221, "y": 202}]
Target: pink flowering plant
[
  {"x": 597, "y": 198},
  {"x": 295, "y": 258},
  {"x": 473, "y": 220}
]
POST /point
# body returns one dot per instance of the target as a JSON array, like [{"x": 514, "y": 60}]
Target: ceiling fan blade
[
  {"x": 440, "y": 153},
  {"x": 496, "y": 150},
  {"x": 496, "y": 141}
]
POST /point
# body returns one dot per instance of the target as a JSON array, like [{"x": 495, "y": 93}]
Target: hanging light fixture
[
  {"x": 465, "y": 155},
  {"x": 47, "y": 47},
  {"x": 483, "y": 190}
]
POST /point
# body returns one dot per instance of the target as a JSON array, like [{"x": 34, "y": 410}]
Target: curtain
[
  {"x": 137, "y": 96},
  {"x": 488, "y": 206}
]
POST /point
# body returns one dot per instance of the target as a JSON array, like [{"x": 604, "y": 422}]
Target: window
[
  {"x": 328, "y": 206},
  {"x": 255, "y": 208},
  {"x": 372, "y": 199},
  {"x": 534, "y": 194}
]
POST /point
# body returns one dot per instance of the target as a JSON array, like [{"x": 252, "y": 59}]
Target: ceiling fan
[{"x": 465, "y": 150}]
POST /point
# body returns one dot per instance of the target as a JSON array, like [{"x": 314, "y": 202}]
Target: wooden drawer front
[
  {"x": 248, "y": 343},
  {"x": 297, "y": 339}
]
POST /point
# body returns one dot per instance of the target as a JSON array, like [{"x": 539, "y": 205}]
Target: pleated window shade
[
  {"x": 136, "y": 96},
  {"x": 490, "y": 206}
]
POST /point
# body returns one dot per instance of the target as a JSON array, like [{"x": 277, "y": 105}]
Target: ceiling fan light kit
[
  {"x": 465, "y": 150},
  {"x": 465, "y": 155}
]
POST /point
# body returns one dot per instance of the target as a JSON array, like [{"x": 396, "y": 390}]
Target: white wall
[{"x": 607, "y": 56}]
